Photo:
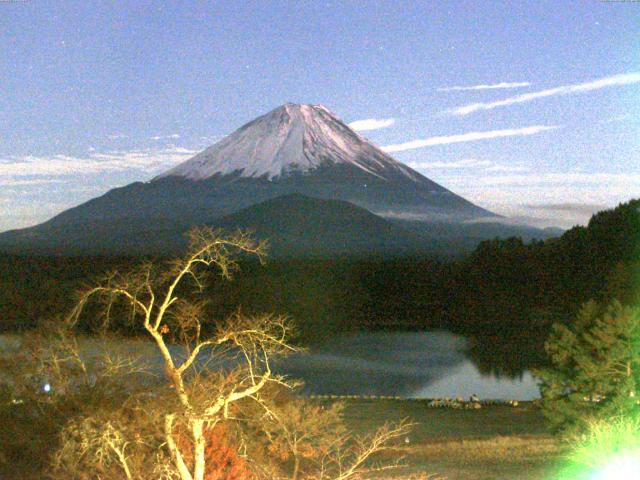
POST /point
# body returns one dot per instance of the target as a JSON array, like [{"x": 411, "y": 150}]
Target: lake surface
[{"x": 406, "y": 364}]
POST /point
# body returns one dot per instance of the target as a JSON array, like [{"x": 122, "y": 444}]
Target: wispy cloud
[
  {"x": 615, "y": 80},
  {"x": 495, "y": 86},
  {"x": 456, "y": 164},
  {"x": 372, "y": 124},
  {"x": 13, "y": 182},
  {"x": 95, "y": 163},
  {"x": 569, "y": 178},
  {"x": 579, "y": 208},
  {"x": 468, "y": 137},
  {"x": 165, "y": 137},
  {"x": 508, "y": 168},
  {"x": 468, "y": 163},
  {"x": 552, "y": 198}
]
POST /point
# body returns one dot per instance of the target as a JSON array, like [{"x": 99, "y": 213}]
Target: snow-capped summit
[
  {"x": 291, "y": 138},
  {"x": 307, "y": 149}
]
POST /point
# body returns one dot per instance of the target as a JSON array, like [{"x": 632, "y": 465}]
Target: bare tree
[
  {"x": 154, "y": 300},
  {"x": 53, "y": 386},
  {"x": 138, "y": 422},
  {"x": 315, "y": 439}
]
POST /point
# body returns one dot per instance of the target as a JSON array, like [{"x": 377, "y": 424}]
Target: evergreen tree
[{"x": 595, "y": 372}]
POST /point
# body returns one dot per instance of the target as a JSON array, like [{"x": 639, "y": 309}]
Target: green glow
[
  {"x": 622, "y": 468},
  {"x": 610, "y": 450}
]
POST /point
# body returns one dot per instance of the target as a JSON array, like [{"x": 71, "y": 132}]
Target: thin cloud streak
[
  {"x": 468, "y": 137},
  {"x": 165, "y": 137},
  {"x": 468, "y": 163},
  {"x": 504, "y": 194},
  {"x": 612, "y": 81},
  {"x": 508, "y": 168},
  {"x": 12, "y": 182},
  {"x": 495, "y": 86},
  {"x": 372, "y": 124},
  {"x": 457, "y": 164},
  {"x": 96, "y": 163},
  {"x": 561, "y": 179},
  {"x": 580, "y": 208}
]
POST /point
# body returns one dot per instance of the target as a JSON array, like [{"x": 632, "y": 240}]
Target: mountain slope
[
  {"x": 307, "y": 149},
  {"x": 293, "y": 149},
  {"x": 294, "y": 225}
]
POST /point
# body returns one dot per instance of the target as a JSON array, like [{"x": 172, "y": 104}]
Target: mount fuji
[
  {"x": 294, "y": 149},
  {"x": 307, "y": 149}
]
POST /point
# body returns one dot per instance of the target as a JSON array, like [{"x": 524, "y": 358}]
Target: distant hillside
[
  {"x": 298, "y": 225},
  {"x": 460, "y": 238}
]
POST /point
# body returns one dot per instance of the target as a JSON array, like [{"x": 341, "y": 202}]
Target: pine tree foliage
[{"x": 595, "y": 372}]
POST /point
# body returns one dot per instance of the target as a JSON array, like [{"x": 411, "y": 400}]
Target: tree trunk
[
  {"x": 296, "y": 467},
  {"x": 176, "y": 456},
  {"x": 199, "y": 445}
]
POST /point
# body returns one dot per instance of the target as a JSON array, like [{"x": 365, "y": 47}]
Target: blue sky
[{"x": 531, "y": 109}]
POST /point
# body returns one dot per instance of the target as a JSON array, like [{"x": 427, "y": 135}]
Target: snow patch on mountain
[{"x": 291, "y": 138}]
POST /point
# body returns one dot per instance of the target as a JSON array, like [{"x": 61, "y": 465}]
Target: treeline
[
  {"x": 37, "y": 288},
  {"x": 323, "y": 295},
  {"x": 505, "y": 295},
  {"x": 508, "y": 293}
]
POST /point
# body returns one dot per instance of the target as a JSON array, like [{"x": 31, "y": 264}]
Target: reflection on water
[
  {"x": 406, "y": 364},
  {"x": 466, "y": 380}
]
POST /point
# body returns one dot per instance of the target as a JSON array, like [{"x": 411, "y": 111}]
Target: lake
[{"x": 404, "y": 364}]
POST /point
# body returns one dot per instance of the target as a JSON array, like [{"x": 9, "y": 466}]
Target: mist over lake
[{"x": 405, "y": 364}]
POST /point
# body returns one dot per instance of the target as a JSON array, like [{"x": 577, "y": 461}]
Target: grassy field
[{"x": 494, "y": 442}]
